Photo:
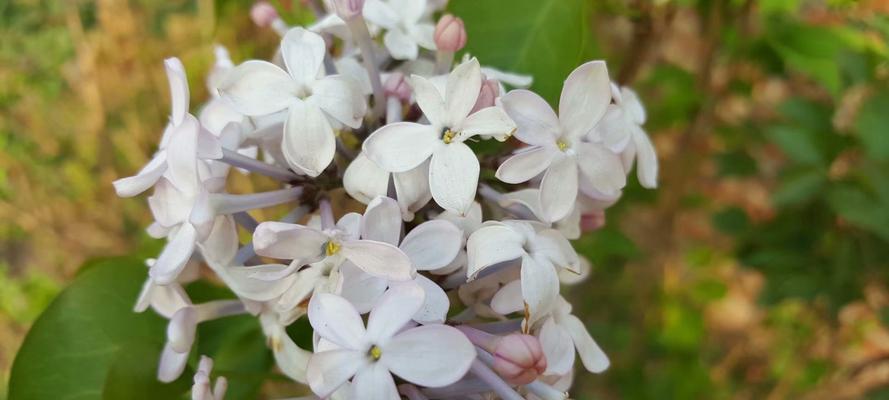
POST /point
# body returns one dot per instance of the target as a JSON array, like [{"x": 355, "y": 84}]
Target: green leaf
[
  {"x": 89, "y": 344},
  {"x": 543, "y": 38},
  {"x": 873, "y": 126},
  {"x": 860, "y": 209},
  {"x": 799, "y": 187},
  {"x": 799, "y": 144}
]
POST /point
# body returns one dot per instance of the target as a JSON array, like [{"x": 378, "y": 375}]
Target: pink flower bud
[
  {"x": 348, "y": 9},
  {"x": 592, "y": 221},
  {"x": 489, "y": 92},
  {"x": 396, "y": 86},
  {"x": 263, "y": 14},
  {"x": 450, "y": 35},
  {"x": 519, "y": 358}
]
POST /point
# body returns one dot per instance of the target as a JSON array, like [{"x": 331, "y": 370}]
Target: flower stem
[
  {"x": 239, "y": 160},
  {"x": 224, "y": 204},
  {"x": 327, "y": 221},
  {"x": 443, "y": 61},
  {"x": 362, "y": 36},
  {"x": 497, "y": 384}
]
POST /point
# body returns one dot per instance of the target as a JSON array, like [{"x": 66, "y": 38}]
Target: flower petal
[
  {"x": 540, "y": 287},
  {"x": 525, "y": 164},
  {"x": 490, "y": 245},
  {"x": 374, "y": 382},
  {"x": 464, "y": 84},
  {"x": 401, "y": 146},
  {"x": 536, "y": 122},
  {"x": 400, "y": 45},
  {"x": 412, "y": 190},
  {"x": 363, "y": 290},
  {"x": 144, "y": 179},
  {"x": 171, "y": 364},
  {"x": 646, "y": 159},
  {"x": 379, "y": 259},
  {"x": 178, "y": 89},
  {"x": 393, "y": 311},
  {"x": 222, "y": 242},
  {"x": 490, "y": 121},
  {"x": 243, "y": 282},
  {"x": 340, "y": 97},
  {"x": 558, "y": 190},
  {"x": 591, "y": 355},
  {"x": 432, "y": 244},
  {"x": 585, "y": 97},
  {"x": 380, "y": 13},
  {"x": 175, "y": 255},
  {"x": 334, "y": 319},
  {"x": 328, "y": 370},
  {"x": 258, "y": 88},
  {"x": 508, "y": 299},
  {"x": 429, "y": 99},
  {"x": 551, "y": 245},
  {"x": 303, "y": 53},
  {"x": 557, "y": 347},
  {"x": 182, "y": 161},
  {"x": 289, "y": 242},
  {"x": 309, "y": 142},
  {"x": 290, "y": 359},
  {"x": 601, "y": 168},
  {"x": 453, "y": 177},
  {"x": 364, "y": 180},
  {"x": 382, "y": 221},
  {"x": 430, "y": 355},
  {"x": 435, "y": 303}
]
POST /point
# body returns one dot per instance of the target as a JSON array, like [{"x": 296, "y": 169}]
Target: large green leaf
[
  {"x": 544, "y": 38},
  {"x": 89, "y": 344}
]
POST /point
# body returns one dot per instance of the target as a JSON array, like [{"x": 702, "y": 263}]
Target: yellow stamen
[
  {"x": 375, "y": 352},
  {"x": 448, "y": 136},
  {"x": 332, "y": 248},
  {"x": 562, "y": 145}
]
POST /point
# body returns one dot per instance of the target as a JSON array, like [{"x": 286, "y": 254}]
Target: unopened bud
[
  {"x": 592, "y": 221},
  {"x": 396, "y": 86},
  {"x": 450, "y": 34},
  {"x": 263, "y": 14},
  {"x": 489, "y": 92},
  {"x": 519, "y": 358},
  {"x": 348, "y": 9}
]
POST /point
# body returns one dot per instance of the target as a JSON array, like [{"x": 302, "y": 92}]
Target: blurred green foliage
[{"x": 758, "y": 269}]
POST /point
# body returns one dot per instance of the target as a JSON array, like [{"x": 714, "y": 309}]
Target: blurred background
[{"x": 758, "y": 269}]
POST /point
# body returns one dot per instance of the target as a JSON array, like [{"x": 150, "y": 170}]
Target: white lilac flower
[
  {"x": 454, "y": 168},
  {"x": 312, "y": 101},
  {"x": 431, "y": 245},
  {"x": 542, "y": 252},
  {"x": 407, "y": 26},
  {"x": 627, "y": 120},
  {"x": 561, "y": 334},
  {"x": 202, "y": 388},
  {"x": 180, "y": 205},
  {"x": 429, "y": 355},
  {"x": 178, "y": 125},
  {"x": 331, "y": 246},
  {"x": 557, "y": 143}
]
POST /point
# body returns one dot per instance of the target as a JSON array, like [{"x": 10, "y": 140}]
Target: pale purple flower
[
  {"x": 557, "y": 145},
  {"x": 453, "y": 168},
  {"x": 429, "y": 355}
]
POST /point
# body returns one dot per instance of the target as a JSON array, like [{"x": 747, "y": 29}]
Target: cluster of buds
[{"x": 447, "y": 285}]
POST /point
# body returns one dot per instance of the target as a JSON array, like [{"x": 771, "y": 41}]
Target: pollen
[
  {"x": 375, "y": 352},
  {"x": 562, "y": 145},
  {"x": 448, "y": 136},
  {"x": 332, "y": 248}
]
